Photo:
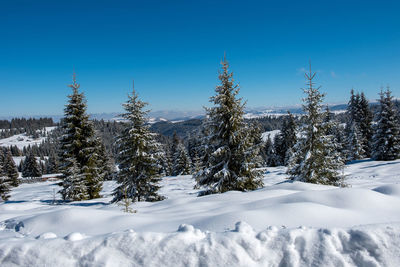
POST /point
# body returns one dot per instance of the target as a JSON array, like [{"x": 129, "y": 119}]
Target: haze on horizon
[{"x": 173, "y": 50}]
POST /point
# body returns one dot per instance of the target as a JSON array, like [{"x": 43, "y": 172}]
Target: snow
[
  {"x": 271, "y": 135},
  {"x": 285, "y": 223},
  {"x": 22, "y": 140}
]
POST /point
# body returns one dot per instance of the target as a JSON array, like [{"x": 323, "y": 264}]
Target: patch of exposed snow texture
[
  {"x": 271, "y": 135},
  {"x": 285, "y": 223}
]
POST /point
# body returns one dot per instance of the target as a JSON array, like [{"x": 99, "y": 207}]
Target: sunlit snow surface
[
  {"x": 285, "y": 223},
  {"x": 23, "y": 140}
]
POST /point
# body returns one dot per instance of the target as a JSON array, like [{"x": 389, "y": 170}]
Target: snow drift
[{"x": 358, "y": 246}]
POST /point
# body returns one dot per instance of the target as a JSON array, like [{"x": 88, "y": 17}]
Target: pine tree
[
  {"x": 365, "y": 124},
  {"x": 268, "y": 154},
  {"x": 285, "y": 140},
  {"x": 52, "y": 163},
  {"x": 79, "y": 149},
  {"x": 106, "y": 164},
  {"x": 138, "y": 156},
  {"x": 31, "y": 168},
  {"x": 5, "y": 184},
  {"x": 182, "y": 164},
  {"x": 10, "y": 169},
  {"x": 74, "y": 184},
  {"x": 359, "y": 114},
  {"x": 355, "y": 148},
  {"x": 315, "y": 159},
  {"x": 230, "y": 146},
  {"x": 197, "y": 163},
  {"x": 386, "y": 140}
]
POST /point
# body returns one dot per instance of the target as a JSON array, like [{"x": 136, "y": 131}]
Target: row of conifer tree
[{"x": 228, "y": 153}]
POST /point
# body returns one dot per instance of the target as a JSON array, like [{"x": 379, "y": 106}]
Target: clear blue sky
[{"x": 173, "y": 48}]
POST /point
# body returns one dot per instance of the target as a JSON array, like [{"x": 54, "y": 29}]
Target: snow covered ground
[
  {"x": 283, "y": 224},
  {"x": 270, "y": 134},
  {"x": 22, "y": 140}
]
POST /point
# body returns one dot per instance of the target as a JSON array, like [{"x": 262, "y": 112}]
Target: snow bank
[
  {"x": 288, "y": 224},
  {"x": 359, "y": 246}
]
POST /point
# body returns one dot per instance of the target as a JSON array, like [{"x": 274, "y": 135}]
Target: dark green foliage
[
  {"x": 285, "y": 140},
  {"x": 358, "y": 127},
  {"x": 229, "y": 143},
  {"x": 386, "y": 140},
  {"x": 52, "y": 164},
  {"x": 10, "y": 169},
  {"x": 5, "y": 184},
  {"x": 315, "y": 158},
  {"x": 79, "y": 151},
  {"x": 138, "y": 157},
  {"x": 31, "y": 168},
  {"x": 182, "y": 162}
]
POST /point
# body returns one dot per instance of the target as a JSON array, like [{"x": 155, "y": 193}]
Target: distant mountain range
[{"x": 177, "y": 115}]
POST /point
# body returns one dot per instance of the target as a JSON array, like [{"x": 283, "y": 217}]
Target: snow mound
[
  {"x": 75, "y": 237},
  {"x": 48, "y": 235},
  {"x": 391, "y": 190},
  {"x": 358, "y": 246}
]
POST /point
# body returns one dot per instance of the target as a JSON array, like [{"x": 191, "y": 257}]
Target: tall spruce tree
[
  {"x": 230, "y": 145},
  {"x": 5, "y": 184},
  {"x": 268, "y": 153},
  {"x": 386, "y": 140},
  {"x": 315, "y": 159},
  {"x": 285, "y": 140},
  {"x": 31, "y": 168},
  {"x": 365, "y": 124},
  {"x": 355, "y": 148},
  {"x": 359, "y": 119},
  {"x": 138, "y": 156},
  {"x": 52, "y": 163},
  {"x": 182, "y": 164},
  {"x": 79, "y": 150},
  {"x": 10, "y": 169}
]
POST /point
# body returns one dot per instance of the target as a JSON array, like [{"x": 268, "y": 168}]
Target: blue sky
[{"x": 173, "y": 49}]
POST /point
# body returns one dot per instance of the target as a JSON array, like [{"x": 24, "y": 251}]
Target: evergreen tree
[
  {"x": 52, "y": 163},
  {"x": 74, "y": 183},
  {"x": 365, "y": 124},
  {"x": 285, "y": 140},
  {"x": 5, "y": 184},
  {"x": 229, "y": 143},
  {"x": 386, "y": 140},
  {"x": 268, "y": 154},
  {"x": 360, "y": 118},
  {"x": 315, "y": 159},
  {"x": 138, "y": 156},
  {"x": 197, "y": 163},
  {"x": 79, "y": 150},
  {"x": 355, "y": 148},
  {"x": 31, "y": 168},
  {"x": 10, "y": 169},
  {"x": 182, "y": 164}
]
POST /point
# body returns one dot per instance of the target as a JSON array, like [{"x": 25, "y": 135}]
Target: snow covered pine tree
[
  {"x": 31, "y": 167},
  {"x": 230, "y": 146},
  {"x": 285, "y": 140},
  {"x": 81, "y": 162},
  {"x": 10, "y": 169},
  {"x": 5, "y": 184},
  {"x": 386, "y": 140},
  {"x": 315, "y": 158},
  {"x": 138, "y": 156},
  {"x": 182, "y": 163}
]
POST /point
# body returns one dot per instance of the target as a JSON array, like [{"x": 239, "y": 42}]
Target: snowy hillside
[
  {"x": 22, "y": 140},
  {"x": 289, "y": 223}
]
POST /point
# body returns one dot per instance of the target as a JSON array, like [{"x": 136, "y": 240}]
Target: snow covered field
[
  {"x": 283, "y": 224},
  {"x": 22, "y": 140}
]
